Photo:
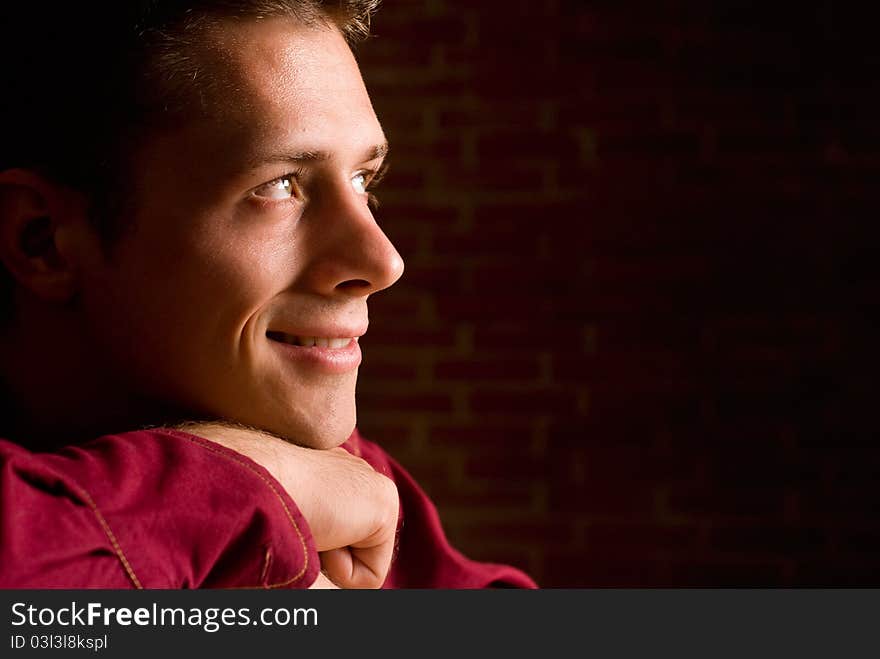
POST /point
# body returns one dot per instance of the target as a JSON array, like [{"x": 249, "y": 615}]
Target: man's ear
[{"x": 39, "y": 221}]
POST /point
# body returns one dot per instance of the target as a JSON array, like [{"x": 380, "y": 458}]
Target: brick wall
[{"x": 633, "y": 343}]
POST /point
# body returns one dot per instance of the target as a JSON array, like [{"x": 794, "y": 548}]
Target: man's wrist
[{"x": 260, "y": 446}]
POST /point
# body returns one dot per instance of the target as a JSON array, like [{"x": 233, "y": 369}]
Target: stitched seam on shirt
[
  {"x": 267, "y": 563},
  {"x": 112, "y": 536},
  {"x": 205, "y": 445}
]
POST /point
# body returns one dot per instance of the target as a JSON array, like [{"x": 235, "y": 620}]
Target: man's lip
[{"x": 337, "y": 359}]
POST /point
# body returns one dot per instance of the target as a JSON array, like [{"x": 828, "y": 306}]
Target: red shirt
[{"x": 166, "y": 509}]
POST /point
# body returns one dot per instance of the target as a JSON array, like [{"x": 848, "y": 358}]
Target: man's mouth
[{"x": 310, "y": 341}]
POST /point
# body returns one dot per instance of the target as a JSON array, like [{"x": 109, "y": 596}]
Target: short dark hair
[{"x": 83, "y": 83}]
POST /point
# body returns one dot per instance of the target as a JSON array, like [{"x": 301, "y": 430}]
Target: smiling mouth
[{"x": 310, "y": 341}]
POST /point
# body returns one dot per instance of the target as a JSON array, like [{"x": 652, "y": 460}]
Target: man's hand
[
  {"x": 351, "y": 509},
  {"x": 322, "y": 583}
]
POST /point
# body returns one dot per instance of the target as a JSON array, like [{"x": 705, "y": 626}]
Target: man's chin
[
  {"x": 323, "y": 443},
  {"x": 327, "y": 434}
]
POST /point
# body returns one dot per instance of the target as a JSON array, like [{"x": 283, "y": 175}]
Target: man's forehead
[
  {"x": 279, "y": 90},
  {"x": 275, "y": 91},
  {"x": 279, "y": 75},
  {"x": 279, "y": 59}
]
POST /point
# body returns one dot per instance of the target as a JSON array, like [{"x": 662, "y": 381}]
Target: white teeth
[{"x": 310, "y": 341}]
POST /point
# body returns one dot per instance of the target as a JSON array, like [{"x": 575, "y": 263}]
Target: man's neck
[{"x": 55, "y": 392}]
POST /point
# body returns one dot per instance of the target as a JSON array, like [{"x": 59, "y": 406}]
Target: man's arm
[
  {"x": 164, "y": 509},
  {"x": 351, "y": 508}
]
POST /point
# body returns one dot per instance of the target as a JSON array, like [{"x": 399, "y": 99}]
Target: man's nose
[{"x": 347, "y": 251}]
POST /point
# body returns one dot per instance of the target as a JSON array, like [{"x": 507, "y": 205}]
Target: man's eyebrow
[
  {"x": 373, "y": 153},
  {"x": 378, "y": 151}
]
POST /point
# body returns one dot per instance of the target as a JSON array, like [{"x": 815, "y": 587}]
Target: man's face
[{"x": 242, "y": 289}]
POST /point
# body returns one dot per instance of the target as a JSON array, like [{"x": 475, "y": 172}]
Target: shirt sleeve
[
  {"x": 148, "y": 509},
  {"x": 424, "y": 558}
]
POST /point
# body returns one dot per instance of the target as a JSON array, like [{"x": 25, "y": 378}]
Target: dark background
[{"x": 635, "y": 341}]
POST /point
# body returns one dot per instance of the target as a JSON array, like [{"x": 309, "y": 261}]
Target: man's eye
[
  {"x": 359, "y": 183},
  {"x": 281, "y": 188}
]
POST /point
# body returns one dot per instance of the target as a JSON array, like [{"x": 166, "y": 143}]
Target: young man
[{"x": 186, "y": 234}]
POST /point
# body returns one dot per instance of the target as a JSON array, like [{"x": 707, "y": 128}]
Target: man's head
[{"x": 220, "y": 218}]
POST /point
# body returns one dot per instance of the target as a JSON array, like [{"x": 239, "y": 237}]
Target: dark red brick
[
  {"x": 493, "y": 438},
  {"x": 518, "y": 403},
  {"x": 400, "y": 402},
  {"x": 479, "y": 368}
]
